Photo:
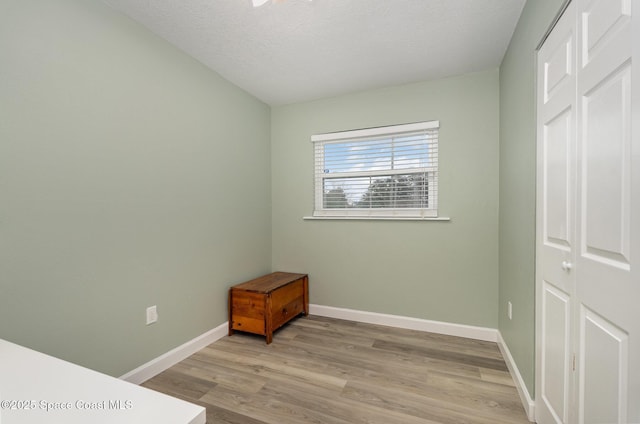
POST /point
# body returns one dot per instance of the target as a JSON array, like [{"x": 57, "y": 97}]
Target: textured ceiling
[{"x": 302, "y": 50}]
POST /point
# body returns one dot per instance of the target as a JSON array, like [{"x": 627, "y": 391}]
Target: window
[{"x": 382, "y": 172}]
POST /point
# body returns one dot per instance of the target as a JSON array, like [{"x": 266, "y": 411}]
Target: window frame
[{"x": 321, "y": 140}]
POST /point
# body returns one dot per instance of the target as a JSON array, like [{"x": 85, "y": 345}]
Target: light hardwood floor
[{"x": 328, "y": 371}]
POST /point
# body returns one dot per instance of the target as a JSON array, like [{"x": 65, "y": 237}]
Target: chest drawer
[{"x": 263, "y": 305}]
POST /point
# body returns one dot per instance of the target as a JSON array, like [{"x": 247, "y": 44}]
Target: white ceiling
[{"x": 301, "y": 50}]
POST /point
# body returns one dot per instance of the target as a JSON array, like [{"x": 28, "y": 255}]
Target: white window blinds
[{"x": 387, "y": 171}]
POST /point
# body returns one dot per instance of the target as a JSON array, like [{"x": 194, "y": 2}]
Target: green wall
[
  {"x": 130, "y": 175},
  {"x": 518, "y": 183},
  {"x": 445, "y": 271}
]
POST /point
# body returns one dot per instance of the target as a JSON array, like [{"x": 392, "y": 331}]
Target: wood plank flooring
[{"x": 328, "y": 371}]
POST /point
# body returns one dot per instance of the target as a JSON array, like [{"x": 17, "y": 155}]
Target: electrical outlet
[
  {"x": 510, "y": 310},
  {"x": 152, "y": 314}
]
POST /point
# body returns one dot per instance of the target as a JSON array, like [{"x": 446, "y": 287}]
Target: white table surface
[{"x": 32, "y": 382}]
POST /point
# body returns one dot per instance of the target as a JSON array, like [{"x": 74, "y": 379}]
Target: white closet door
[
  {"x": 588, "y": 236},
  {"x": 556, "y": 128},
  {"x": 607, "y": 278}
]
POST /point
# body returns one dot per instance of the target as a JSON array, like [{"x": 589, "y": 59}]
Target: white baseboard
[
  {"x": 460, "y": 330},
  {"x": 525, "y": 398},
  {"x": 154, "y": 367}
]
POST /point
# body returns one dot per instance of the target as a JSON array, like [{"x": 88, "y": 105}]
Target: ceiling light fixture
[{"x": 258, "y": 3}]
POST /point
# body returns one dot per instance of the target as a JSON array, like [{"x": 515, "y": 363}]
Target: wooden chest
[{"x": 265, "y": 304}]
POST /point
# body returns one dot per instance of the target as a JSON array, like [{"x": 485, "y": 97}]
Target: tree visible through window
[{"x": 386, "y": 171}]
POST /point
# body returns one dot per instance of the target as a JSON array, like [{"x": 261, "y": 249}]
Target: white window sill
[{"x": 374, "y": 218}]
